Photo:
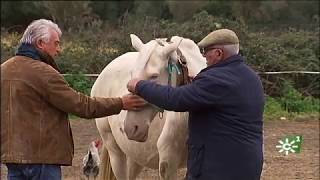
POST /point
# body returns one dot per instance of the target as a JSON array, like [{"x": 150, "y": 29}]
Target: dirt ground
[{"x": 277, "y": 166}]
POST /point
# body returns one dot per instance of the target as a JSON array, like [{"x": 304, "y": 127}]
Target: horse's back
[{"x": 111, "y": 82}]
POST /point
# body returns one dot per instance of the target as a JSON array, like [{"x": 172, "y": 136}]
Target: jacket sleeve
[
  {"x": 204, "y": 92},
  {"x": 62, "y": 96}
]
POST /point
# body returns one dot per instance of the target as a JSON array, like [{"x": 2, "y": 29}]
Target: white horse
[{"x": 146, "y": 138}]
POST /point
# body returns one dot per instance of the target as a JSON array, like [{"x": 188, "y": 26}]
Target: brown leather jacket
[{"x": 35, "y": 102}]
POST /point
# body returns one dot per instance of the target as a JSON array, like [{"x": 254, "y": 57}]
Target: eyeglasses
[{"x": 205, "y": 50}]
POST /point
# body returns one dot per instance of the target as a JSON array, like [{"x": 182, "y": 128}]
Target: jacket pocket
[{"x": 195, "y": 159}]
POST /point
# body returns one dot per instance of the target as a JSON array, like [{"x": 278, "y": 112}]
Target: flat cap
[{"x": 219, "y": 37}]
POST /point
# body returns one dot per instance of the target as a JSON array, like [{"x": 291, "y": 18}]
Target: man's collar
[{"x": 30, "y": 51}]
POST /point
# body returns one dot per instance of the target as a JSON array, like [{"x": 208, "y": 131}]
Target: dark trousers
[{"x": 33, "y": 172}]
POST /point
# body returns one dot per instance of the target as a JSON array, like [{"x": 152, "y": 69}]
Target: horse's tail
[{"x": 105, "y": 172}]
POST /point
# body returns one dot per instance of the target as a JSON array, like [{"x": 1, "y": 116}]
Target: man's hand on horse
[
  {"x": 132, "y": 102},
  {"x": 132, "y": 85}
]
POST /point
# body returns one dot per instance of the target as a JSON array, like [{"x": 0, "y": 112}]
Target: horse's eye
[{"x": 153, "y": 77}]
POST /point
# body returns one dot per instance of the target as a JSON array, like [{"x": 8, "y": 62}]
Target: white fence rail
[
  {"x": 88, "y": 75},
  {"x": 281, "y": 72},
  {"x": 290, "y": 72}
]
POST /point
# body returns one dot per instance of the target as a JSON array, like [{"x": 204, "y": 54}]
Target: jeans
[{"x": 33, "y": 172}]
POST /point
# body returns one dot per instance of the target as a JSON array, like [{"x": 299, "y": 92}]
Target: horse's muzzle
[{"x": 136, "y": 132}]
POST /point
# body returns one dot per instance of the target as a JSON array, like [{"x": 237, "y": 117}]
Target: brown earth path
[{"x": 277, "y": 166}]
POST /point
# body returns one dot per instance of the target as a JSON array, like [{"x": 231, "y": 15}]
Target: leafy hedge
[{"x": 90, "y": 49}]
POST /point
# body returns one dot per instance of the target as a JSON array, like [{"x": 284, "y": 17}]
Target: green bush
[
  {"x": 9, "y": 44},
  {"x": 289, "y": 50},
  {"x": 80, "y": 83}
]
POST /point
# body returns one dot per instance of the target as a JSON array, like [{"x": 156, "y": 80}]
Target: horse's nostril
[{"x": 135, "y": 128}]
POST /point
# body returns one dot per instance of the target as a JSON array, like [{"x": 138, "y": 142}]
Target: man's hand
[
  {"x": 132, "y": 85},
  {"x": 132, "y": 102}
]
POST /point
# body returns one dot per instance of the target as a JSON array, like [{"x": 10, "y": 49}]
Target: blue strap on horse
[{"x": 171, "y": 68}]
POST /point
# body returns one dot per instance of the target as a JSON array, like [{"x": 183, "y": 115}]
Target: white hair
[
  {"x": 39, "y": 30},
  {"x": 232, "y": 49}
]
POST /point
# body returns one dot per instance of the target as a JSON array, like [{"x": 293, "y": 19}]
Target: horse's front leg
[
  {"x": 172, "y": 145},
  {"x": 111, "y": 155},
  {"x": 133, "y": 169}
]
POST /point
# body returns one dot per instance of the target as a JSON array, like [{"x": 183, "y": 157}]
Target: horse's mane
[
  {"x": 191, "y": 51},
  {"x": 186, "y": 43}
]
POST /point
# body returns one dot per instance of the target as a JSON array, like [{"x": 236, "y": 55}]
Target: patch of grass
[{"x": 307, "y": 108}]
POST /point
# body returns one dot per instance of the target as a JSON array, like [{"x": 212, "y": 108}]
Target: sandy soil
[{"x": 277, "y": 166}]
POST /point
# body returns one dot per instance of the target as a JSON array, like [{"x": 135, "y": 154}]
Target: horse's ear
[
  {"x": 136, "y": 42},
  {"x": 175, "y": 38},
  {"x": 171, "y": 47}
]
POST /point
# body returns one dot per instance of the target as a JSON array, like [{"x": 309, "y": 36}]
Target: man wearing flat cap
[{"x": 225, "y": 103}]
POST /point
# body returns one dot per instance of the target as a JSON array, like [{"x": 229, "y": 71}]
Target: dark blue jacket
[{"x": 225, "y": 103}]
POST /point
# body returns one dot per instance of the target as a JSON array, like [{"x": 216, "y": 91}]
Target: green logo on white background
[{"x": 290, "y": 144}]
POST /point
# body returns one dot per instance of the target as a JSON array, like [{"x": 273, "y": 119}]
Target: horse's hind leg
[
  {"x": 111, "y": 154},
  {"x": 134, "y": 169},
  {"x": 105, "y": 171}
]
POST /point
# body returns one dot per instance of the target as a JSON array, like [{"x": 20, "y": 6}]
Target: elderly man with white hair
[
  {"x": 225, "y": 102},
  {"x": 36, "y": 137}
]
